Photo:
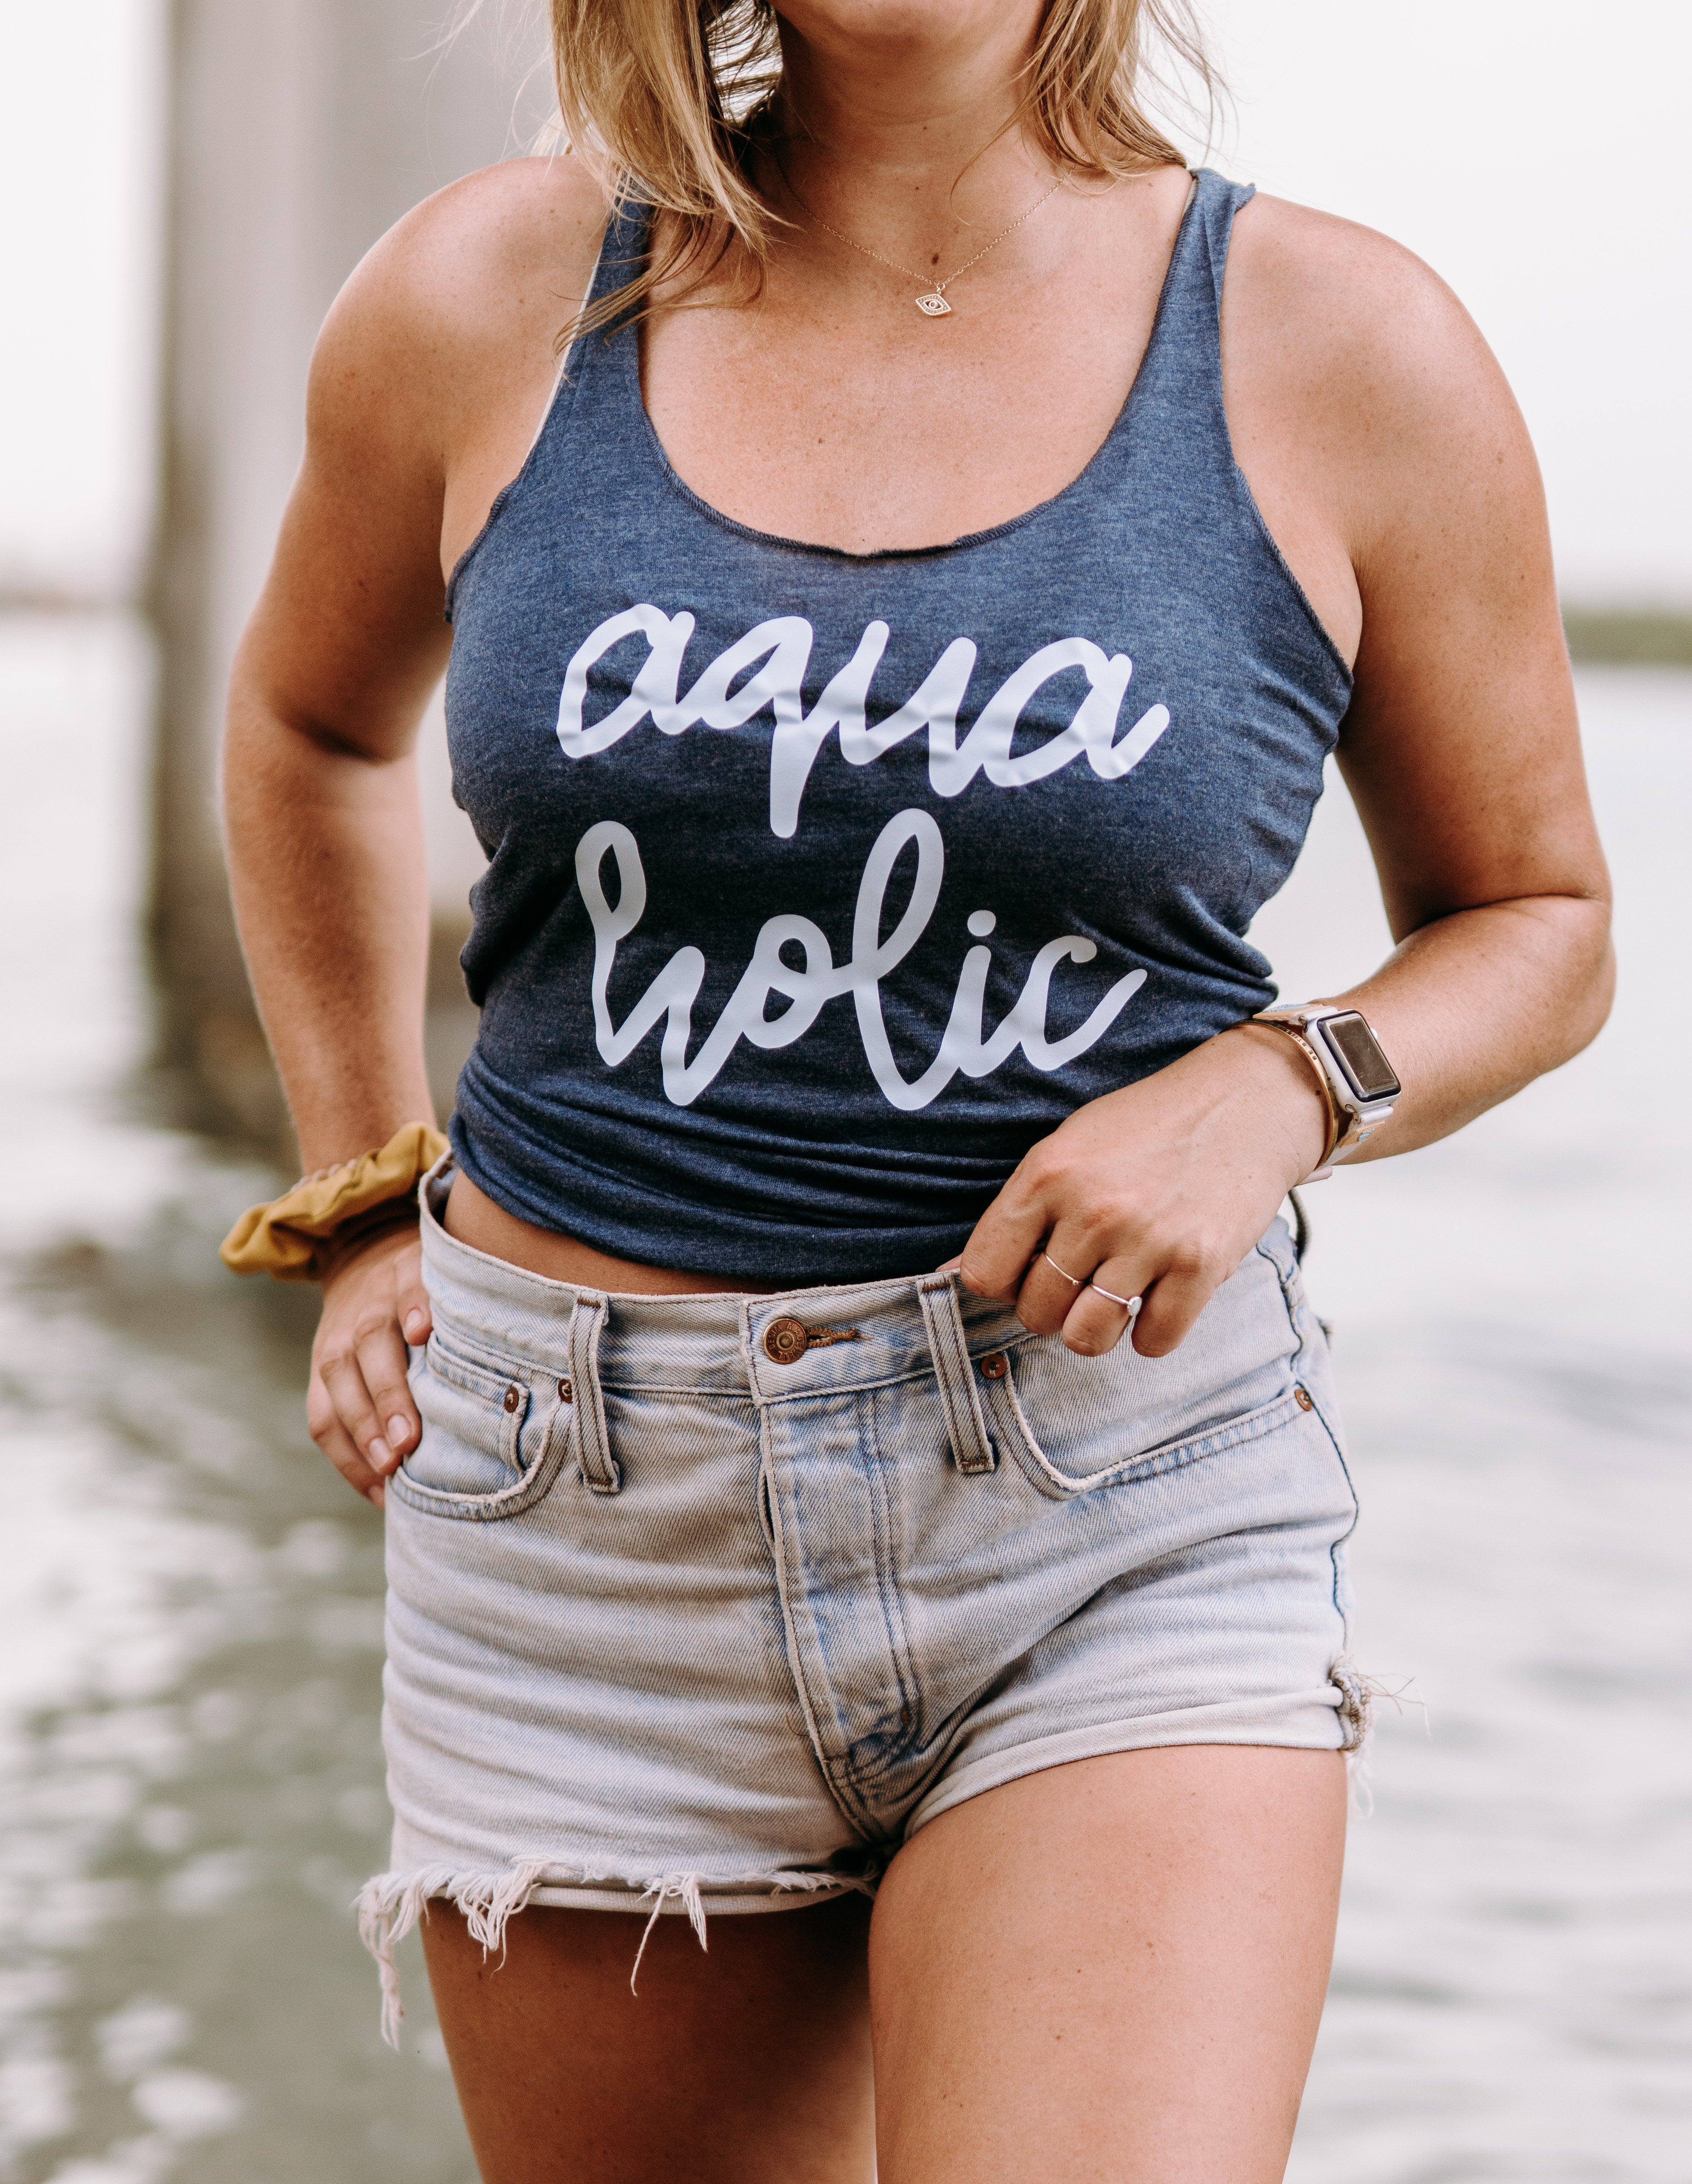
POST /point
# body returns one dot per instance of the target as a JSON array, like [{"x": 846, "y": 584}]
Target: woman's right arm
[
  {"x": 426, "y": 380},
  {"x": 324, "y": 833}
]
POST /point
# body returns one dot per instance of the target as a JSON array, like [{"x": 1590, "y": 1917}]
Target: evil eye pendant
[{"x": 934, "y": 306}]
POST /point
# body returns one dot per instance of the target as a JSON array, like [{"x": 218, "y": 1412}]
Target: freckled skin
[{"x": 1112, "y": 1970}]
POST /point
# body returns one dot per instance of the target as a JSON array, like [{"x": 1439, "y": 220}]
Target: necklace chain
[{"x": 932, "y": 304}]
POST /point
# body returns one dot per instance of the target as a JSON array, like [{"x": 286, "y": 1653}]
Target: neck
[{"x": 908, "y": 124}]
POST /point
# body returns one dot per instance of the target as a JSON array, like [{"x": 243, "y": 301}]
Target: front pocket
[
  {"x": 491, "y": 1438},
  {"x": 1014, "y": 1430}
]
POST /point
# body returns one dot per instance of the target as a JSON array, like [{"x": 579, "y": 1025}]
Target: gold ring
[
  {"x": 1064, "y": 1271},
  {"x": 1130, "y": 1305}
]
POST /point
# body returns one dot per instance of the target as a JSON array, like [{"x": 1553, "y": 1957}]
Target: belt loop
[
  {"x": 965, "y": 1427},
  {"x": 599, "y": 1467}
]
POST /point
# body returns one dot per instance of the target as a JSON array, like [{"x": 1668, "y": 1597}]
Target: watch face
[{"x": 1354, "y": 1047}]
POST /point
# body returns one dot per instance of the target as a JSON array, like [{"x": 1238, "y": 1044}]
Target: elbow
[
  {"x": 1602, "y": 995},
  {"x": 1589, "y": 994}
]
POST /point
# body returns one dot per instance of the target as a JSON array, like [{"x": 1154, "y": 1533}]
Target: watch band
[{"x": 1358, "y": 1111}]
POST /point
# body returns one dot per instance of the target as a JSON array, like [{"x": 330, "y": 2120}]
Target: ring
[
  {"x": 1130, "y": 1305},
  {"x": 1064, "y": 1271}
]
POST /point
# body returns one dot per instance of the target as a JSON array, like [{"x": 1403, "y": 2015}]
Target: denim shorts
[{"x": 707, "y": 1603}]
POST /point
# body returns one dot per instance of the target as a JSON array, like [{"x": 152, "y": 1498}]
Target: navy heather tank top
[{"x": 821, "y": 885}]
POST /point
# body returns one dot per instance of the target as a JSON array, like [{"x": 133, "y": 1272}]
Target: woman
[{"x": 891, "y": 665}]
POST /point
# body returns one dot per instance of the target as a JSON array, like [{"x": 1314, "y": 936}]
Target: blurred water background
[{"x": 190, "y": 1602}]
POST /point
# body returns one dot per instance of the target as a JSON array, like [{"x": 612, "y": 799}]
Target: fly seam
[
  {"x": 887, "y": 1585},
  {"x": 792, "y": 1647}
]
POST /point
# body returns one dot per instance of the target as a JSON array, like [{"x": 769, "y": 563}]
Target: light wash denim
[{"x": 707, "y": 1603}]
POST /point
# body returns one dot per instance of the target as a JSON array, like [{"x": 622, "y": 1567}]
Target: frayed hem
[
  {"x": 391, "y": 1904},
  {"x": 684, "y": 1887},
  {"x": 1359, "y": 1696}
]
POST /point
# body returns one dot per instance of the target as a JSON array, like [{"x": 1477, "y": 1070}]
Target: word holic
[
  {"x": 780, "y": 651},
  {"x": 671, "y": 995}
]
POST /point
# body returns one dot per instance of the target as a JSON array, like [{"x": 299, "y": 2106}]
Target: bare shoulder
[
  {"x": 1366, "y": 398},
  {"x": 466, "y": 294},
  {"x": 1357, "y": 377},
  {"x": 1339, "y": 328},
  {"x": 1350, "y": 300}
]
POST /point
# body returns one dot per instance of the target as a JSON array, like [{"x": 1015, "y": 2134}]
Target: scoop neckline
[{"x": 965, "y": 540}]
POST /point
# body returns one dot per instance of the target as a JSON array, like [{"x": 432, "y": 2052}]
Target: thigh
[
  {"x": 747, "y": 2062},
  {"x": 1110, "y": 1969}
]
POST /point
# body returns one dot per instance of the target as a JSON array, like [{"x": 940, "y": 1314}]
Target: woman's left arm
[{"x": 1403, "y": 450}]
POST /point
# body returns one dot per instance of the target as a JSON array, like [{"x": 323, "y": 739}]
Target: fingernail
[
  {"x": 379, "y": 1456},
  {"x": 414, "y": 1325},
  {"x": 399, "y": 1431}
]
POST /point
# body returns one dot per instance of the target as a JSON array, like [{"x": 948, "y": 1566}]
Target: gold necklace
[{"x": 932, "y": 303}]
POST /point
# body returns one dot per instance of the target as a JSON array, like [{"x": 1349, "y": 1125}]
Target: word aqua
[
  {"x": 672, "y": 993},
  {"x": 783, "y": 646}
]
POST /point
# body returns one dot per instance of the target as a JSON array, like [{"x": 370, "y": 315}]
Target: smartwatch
[{"x": 1363, "y": 1085}]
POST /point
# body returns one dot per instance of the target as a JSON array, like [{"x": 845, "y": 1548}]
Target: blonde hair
[{"x": 665, "y": 98}]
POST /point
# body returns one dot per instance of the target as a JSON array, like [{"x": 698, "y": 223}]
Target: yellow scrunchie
[{"x": 286, "y": 1237}]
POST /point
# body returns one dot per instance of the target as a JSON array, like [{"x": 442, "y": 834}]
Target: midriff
[{"x": 473, "y": 1217}]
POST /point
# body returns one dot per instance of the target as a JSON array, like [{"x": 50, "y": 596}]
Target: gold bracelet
[
  {"x": 292, "y": 1237},
  {"x": 1336, "y": 1119}
]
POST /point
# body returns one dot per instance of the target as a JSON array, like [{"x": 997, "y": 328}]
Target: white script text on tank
[
  {"x": 783, "y": 645},
  {"x": 672, "y": 993}
]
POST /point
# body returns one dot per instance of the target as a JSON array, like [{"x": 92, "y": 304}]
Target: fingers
[
  {"x": 324, "y": 1424},
  {"x": 359, "y": 1409},
  {"x": 1077, "y": 1234},
  {"x": 411, "y": 1299},
  {"x": 1096, "y": 1323},
  {"x": 341, "y": 1367},
  {"x": 1055, "y": 1282},
  {"x": 1174, "y": 1300},
  {"x": 1064, "y": 1294},
  {"x": 1159, "y": 1298},
  {"x": 1157, "y": 1289},
  {"x": 1006, "y": 1237},
  {"x": 382, "y": 1362}
]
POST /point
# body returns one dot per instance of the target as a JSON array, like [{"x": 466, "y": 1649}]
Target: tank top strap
[
  {"x": 1216, "y": 202},
  {"x": 594, "y": 392},
  {"x": 622, "y": 250},
  {"x": 595, "y": 374},
  {"x": 1180, "y": 376}
]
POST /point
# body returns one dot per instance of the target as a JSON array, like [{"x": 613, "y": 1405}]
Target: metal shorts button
[
  {"x": 513, "y": 1397},
  {"x": 1302, "y": 1397},
  {"x": 994, "y": 1366},
  {"x": 786, "y": 1341}
]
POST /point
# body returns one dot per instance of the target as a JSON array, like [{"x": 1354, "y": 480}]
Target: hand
[
  {"x": 1158, "y": 1190},
  {"x": 359, "y": 1407}
]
